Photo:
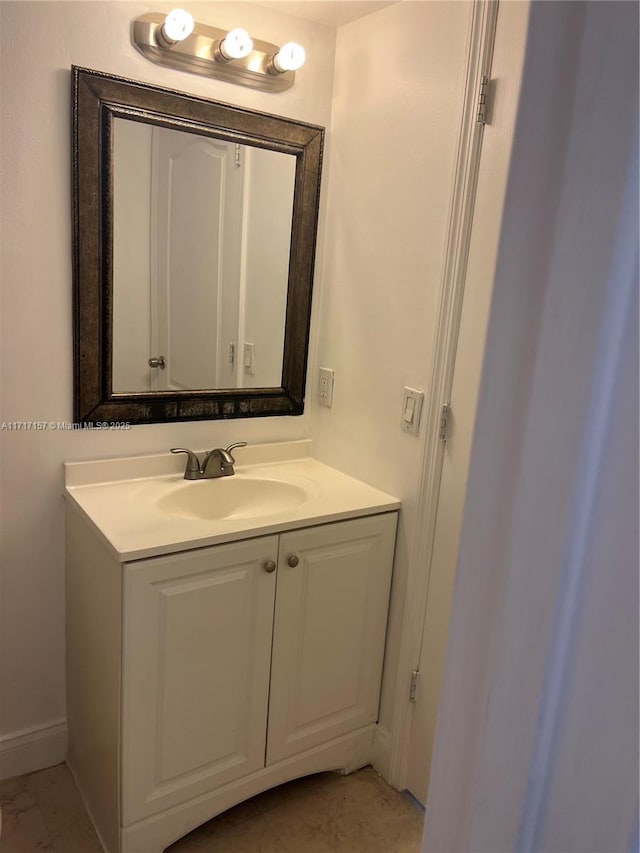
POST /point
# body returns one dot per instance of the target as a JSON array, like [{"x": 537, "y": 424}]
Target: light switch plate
[
  {"x": 325, "y": 387},
  {"x": 411, "y": 410},
  {"x": 250, "y": 359}
]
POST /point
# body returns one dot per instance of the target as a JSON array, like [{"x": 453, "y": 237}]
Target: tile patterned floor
[{"x": 324, "y": 813}]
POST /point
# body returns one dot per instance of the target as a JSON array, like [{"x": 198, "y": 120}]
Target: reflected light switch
[
  {"x": 249, "y": 359},
  {"x": 411, "y": 408}
]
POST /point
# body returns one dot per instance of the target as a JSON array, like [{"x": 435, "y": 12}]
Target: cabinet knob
[
  {"x": 293, "y": 561},
  {"x": 269, "y": 566}
]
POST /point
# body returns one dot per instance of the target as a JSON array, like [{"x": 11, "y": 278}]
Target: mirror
[
  {"x": 201, "y": 241},
  {"x": 194, "y": 241}
]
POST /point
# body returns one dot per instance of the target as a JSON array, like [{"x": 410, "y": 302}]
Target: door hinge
[
  {"x": 445, "y": 416},
  {"x": 232, "y": 353},
  {"x": 481, "y": 116},
  {"x": 414, "y": 685},
  {"x": 238, "y": 163}
]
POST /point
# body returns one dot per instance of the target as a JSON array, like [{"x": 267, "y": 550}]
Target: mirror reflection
[{"x": 201, "y": 246}]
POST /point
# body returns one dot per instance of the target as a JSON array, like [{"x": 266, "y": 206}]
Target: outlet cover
[{"x": 325, "y": 387}]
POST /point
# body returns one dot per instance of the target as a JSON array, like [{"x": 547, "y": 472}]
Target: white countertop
[{"x": 120, "y": 499}]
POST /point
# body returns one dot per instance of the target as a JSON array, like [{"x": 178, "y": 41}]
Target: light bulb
[
  {"x": 236, "y": 44},
  {"x": 178, "y": 26},
  {"x": 290, "y": 57}
]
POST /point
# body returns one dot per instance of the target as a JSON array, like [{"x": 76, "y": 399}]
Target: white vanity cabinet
[
  {"x": 196, "y": 657},
  {"x": 329, "y": 632},
  {"x": 201, "y": 677}
]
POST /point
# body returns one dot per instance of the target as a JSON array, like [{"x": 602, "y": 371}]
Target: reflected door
[{"x": 197, "y": 187}]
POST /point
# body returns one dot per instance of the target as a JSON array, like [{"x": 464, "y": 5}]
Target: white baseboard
[
  {"x": 33, "y": 749},
  {"x": 381, "y": 753}
]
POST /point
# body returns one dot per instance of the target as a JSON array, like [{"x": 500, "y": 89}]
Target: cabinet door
[
  {"x": 197, "y": 644},
  {"x": 329, "y": 632}
]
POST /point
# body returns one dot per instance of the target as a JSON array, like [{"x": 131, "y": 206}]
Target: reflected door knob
[
  {"x": 157, "y": 362},
  {"x": 269, "y": 566},
  {"x": 293, "y": 561}
]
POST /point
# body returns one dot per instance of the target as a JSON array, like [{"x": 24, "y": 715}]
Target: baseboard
[
  {"x": 33, "y": 749},
  {"x": 381, "y": 753}
]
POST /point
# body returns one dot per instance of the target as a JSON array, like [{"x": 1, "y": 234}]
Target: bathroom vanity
[{"x": 223, "y": 636}]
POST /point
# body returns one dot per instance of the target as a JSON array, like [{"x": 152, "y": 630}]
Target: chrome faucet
[{"x": 216, "y": 463}]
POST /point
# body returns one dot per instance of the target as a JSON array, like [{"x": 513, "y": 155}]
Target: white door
[
  {"x": 197, "y": 644},
  {"x": 537, "y": 746},
  {"x": 329, "y": 632},
  {"x": 196, "y": 228}
]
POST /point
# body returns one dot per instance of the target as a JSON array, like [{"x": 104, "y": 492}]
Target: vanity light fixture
[{"x": 177, "y": 41}]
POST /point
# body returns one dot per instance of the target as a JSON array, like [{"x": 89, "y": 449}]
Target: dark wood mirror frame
[{"x": 97, "y": 99}]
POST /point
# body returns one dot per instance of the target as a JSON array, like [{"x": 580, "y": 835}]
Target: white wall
[
  {"x": 40, "y": 41},
  {"x": 387, "y": 182},
  {"x": 398, "y": 92}
]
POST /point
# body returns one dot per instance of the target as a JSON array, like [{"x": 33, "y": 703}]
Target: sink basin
[
  {"x": 232, "y": 498},
  {"x": 143, "y": 507}
]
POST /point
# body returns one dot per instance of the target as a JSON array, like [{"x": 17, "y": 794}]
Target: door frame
[{"x": 481, "y": 39}]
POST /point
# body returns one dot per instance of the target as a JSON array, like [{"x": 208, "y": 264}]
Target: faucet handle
[
  {"x": 233, "y": 447},
  {"x": 193, "y": 463}
]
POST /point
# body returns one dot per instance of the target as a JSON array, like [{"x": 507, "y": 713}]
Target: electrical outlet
[{"x": 325, "y": 392}]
